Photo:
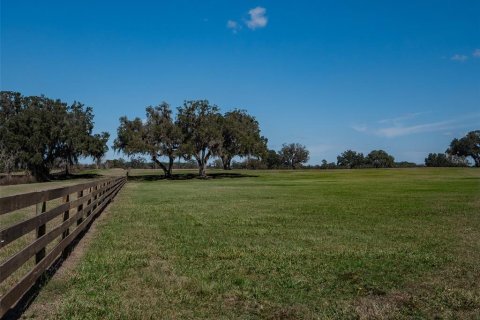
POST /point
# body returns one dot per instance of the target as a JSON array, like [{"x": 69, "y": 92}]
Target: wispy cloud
[
  {"x": 257, "y": 18},
  {"x": 476, "y": 53},
  {"x": 459, "y": 57},
  {"x": 407, "y": 116},
  {"x": 232, "y": 24},
  {"x": 360, "y": 127},
  {"x": 397, "y": 131},
  {"x": 397, "y": 127}
]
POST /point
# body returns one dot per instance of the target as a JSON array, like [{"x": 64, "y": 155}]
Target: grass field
[{"x": 282, "y": 245}]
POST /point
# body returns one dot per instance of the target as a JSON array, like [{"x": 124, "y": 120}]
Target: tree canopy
[
  {"x": 201, "y": 126},
  {"x": 351, "y": 159},
  {"x": 38, "y": 131},
  {"x": 241, "y": 137},
  {"x": 468, "y": 146},
  {"x": 294, "y": 154},
  {"x": 380, "y": 159},
  {"x": 158, "y": 137}
]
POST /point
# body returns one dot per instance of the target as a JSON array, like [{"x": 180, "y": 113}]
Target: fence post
[
  {"x": 66, "y": 216},
  {"x": 41, "y": 207},
  {"x": 96, "y": 197},
  {"x": 89, "y": 202},
  {"x": 80, "y": 207}
]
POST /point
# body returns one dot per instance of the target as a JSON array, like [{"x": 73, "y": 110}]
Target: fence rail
[{"x": 79, "y": 206}]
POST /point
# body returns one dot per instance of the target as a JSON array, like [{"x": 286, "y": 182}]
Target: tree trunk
[
  {"x": 226, "y": 161},
  {"x": 161, "y": 165},
  {"x": 40, "y": 173},
  {"x": 201, "y": 170},
  {"x": 67, "y": 169},
  {"x": 170, "y": 165}
]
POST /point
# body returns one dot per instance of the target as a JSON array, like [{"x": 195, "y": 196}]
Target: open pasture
[{"x": 397, "y": 243}]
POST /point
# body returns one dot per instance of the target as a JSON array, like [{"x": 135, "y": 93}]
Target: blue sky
[{"x": 403, "y": 76}]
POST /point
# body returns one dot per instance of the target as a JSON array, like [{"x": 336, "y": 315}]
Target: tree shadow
[
  {"x": 63, "y": 176},
  {"x": 190, "y": 176}
]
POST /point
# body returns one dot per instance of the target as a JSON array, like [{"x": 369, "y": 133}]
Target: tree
[
  {"x": 380, "y": 159},
  {"x": 157, "y": 137},
  {"x": 468, "y": 146},
  {"x": 38, "y": 132},
  {"x": 241, "y": 137},
  {"x": 444, "y": 160},
  {"x": 11, "y": 105},
  {"x": 97, "y": 147},
  {"x": 201, "y": 127},
  {"x": 76, "y": 134},
  {"x": 350, "y": 159},
  {"x": 272, "y": 160},
  {"x": 294, "y": 154}
]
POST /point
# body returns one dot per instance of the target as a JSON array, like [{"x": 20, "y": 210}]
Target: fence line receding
[{"x": 46, "y": 223}]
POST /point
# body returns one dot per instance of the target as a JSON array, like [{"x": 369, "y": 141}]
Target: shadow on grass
[
  {"x": 190, "y": 176},
  {"x": 61, "y": 177}
]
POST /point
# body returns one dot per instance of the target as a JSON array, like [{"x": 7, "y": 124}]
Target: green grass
[{"x": 282, "y": 245}]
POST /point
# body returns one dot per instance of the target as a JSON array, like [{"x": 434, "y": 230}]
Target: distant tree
[
  {"x": 37, "y": 133},
  {"x": 159, "y": 136},
  {"x": 12, "y": 103},
  {"x": 351, "y": 159},
  {"x": 444, "y": 160},
  {"x": 380, "y": 159},
  {"x": 272, "y": 160},
  {"x": 241, "y": 137},
  {"x": 405, "y": 164},
  {"x": 294, "y": 154},
  {"x": 217, "y": 164},
  {"x": 201, "y": 127},
  {"x": 163, "y": 135},
  {"x": 327, "y": 165},
  {"x": 97, "y": 147},
  {"x": 468, "y": 146}
]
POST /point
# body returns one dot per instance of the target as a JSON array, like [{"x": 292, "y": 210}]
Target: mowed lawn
[{"x": 397, "y": 243}]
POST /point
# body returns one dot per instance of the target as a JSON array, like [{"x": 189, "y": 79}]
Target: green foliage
[
  {"x": 37, "y": 131},
  {"x": 241, "y": 137},
  {"x": 201, "y": 126},
  {"x": 158, "y": 137},
  {"x": 273, "y": 160},
  {"x": 380, "y": 159},
  {"x": 444, "y": 160},
  {"x": 294, "y": 155},
  {"x": 351, "y": 159},
  {"x": 468, "y": 146}
]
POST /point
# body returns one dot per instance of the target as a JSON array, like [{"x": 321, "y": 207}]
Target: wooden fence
[{"x": 30, "y": 247}]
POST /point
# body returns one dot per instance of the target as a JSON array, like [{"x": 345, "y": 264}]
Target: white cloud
[
  {"x": 360, "y": 128},
  {"x": 396, "y": 127},
  {"x": 407, "y": 116},
  {"x": 397, "y": 131},
  {"x": 257, "y": 18},
  {"x": 476, "y": 53},
  {"x": 232, "y": 24},
  {"x": 459, "y": 57}
]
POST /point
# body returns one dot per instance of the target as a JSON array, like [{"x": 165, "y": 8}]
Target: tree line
[
  {"x": 38, "y": 133},
  {"x": 199, "y": 132},
  {"x": 458, "y": 152}
]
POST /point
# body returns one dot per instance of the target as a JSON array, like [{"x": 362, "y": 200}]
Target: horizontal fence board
[
  {"x": 21, "y": 228},
  {"x": 20, "y": 201},
  {"x": 17, "y": 260},
  {"x": 103, "y": 192}
]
